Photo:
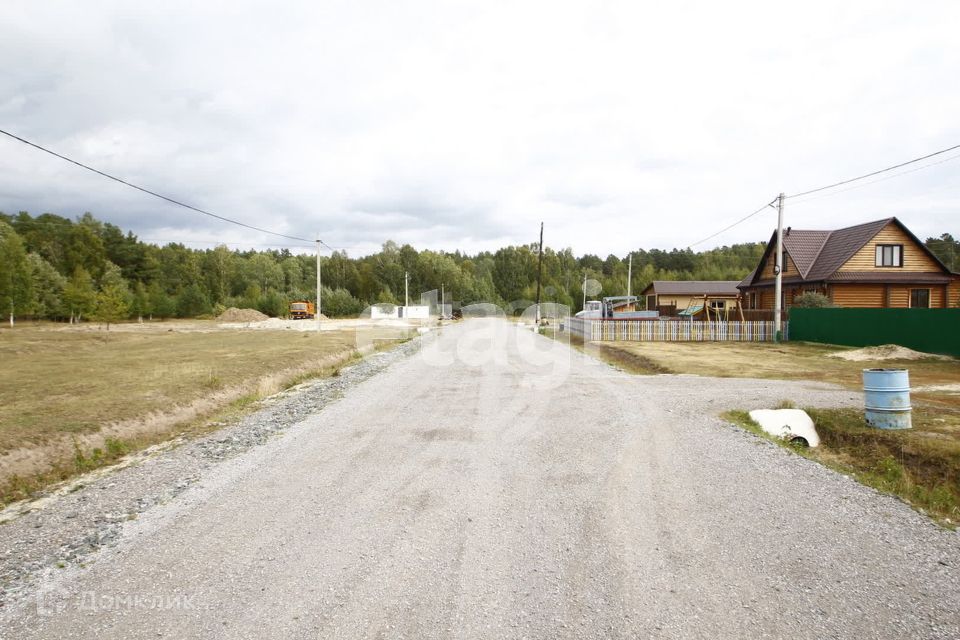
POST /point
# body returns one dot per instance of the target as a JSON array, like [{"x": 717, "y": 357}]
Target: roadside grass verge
[
  {"x": 921, "y": 466},
  {"x": 792, "y": 361},
  {"x": 72, "y": 401},
  {"x": 627, "y": 360}
]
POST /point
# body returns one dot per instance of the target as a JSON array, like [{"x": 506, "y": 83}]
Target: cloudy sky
[{"x": 461, "y": 125}]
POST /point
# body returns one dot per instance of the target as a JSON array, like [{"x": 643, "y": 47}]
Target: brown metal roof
[
  {"x": 804, "y": 247},
  {"x": 905, "y": 277},
  {"x": 746, "y": 281},
  {"x": 841, "y": 245},
  {"x": 694, "y": 287}
]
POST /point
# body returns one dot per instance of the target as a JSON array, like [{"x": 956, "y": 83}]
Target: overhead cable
[
  {"x": 725, "y": 229},
  {"x": 873, "y": 173},
  {"x": 158, "y": 195}
]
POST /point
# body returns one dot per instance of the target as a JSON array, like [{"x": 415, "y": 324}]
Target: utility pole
[
  {"x": 442, "y": 300},
  {"x": 584, "y": 307},
  {"x": 319, "y": 283},
  {"x": 778, "y": 272},
  {"x": 629, "y": 276},
  {"x": 406, "y": 289},
  {"x": 539, "y": 272}
]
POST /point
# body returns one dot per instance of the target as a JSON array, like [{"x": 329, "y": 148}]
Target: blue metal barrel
[{"x": 887, "y": 398}]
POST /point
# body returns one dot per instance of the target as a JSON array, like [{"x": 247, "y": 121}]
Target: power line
[
  {"x": 873, "y": 173},
  {"x": 848, "y": 181},
  {"x": 157, "y": 195},
  {"x": 70, "y": 224},
  {"x": 221, "y": 242},
  {"x": 725, "y": 229},
  {"x": 884, "y": 179}
]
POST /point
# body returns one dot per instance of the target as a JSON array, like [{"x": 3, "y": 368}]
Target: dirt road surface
[{"x": 500, "y": 485}]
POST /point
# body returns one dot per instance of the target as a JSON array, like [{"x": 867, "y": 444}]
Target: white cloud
[{"x": 462, "y": 125}]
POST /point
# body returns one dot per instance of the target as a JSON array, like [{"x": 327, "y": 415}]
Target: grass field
[
  {"x": 76, "y": 398},
  {"x": 785, "y": 361},
  {"x": 921, "y": 466}
]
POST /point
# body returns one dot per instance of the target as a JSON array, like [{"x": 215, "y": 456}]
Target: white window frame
[{"x": 893, "y": 251}]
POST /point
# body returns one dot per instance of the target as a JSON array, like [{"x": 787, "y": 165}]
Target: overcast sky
[{"x": 462, "y": 125}]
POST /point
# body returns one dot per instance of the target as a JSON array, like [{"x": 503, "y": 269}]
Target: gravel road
[{"x": 497, "y": 484}]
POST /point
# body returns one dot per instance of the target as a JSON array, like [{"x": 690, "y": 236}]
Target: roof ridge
[{"x": 862, "y": 224}]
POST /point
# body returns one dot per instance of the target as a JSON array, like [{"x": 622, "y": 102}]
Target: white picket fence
[{"x": 674, "y": 330}]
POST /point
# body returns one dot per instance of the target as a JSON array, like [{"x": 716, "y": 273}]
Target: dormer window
[{"x": 889, "y": 255}]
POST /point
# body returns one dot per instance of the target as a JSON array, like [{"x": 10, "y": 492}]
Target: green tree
[
  {"x": 512, "y": 271},
  {"x": 112, "y": 275},
  {"x": 192, "y": 302},
  {"x": 48, "y": 288},
  {"x": 338, "y": 303},
  {"x": 112, "y": 304},
  {"x": 273, "y": 303},
  {"x": 218, "y": 269},
  {"x": 264, "y": 272},
  {"x": 947, "y": 249},
  {"x": 79, "y": 296},
  {"x": 293, "y": 275},
  {"x": 16, "y": 285},
  {"x": 161, "y": 304},
  {"x": 251, "y": 297},
  {"x": 84, "y": 247},
  {"x": 140, "y": 302}
]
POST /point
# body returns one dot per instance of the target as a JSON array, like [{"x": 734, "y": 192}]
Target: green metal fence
[{"x": 928, "y": 330}]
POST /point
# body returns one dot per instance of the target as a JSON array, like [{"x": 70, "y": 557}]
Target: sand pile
[
  {"x": 884, "y": 352},
  {"x": 280, "y": 323},
  {"x": 241, "y": 315}
]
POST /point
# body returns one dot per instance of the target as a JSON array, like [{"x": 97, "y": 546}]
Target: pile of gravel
[{"x": 241, "y": 315}]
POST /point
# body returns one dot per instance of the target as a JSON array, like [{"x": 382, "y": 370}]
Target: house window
[
  {"x": 784, "y": 263},
  {"x": 920, "y": 298},
  {"x": 889, "y": 255},
  {"x": 651, "y": 302},
  {"x": 754, "y": 303},
  {"x": 718, "y": 304}
]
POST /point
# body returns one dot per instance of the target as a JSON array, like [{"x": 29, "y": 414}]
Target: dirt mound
[
  {"x": 241, "y": 315},
  {"x": 275, "y": 323},
  {"x": 884, "y": 352}
]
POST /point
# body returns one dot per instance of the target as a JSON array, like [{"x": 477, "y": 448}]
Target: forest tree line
[{"x": 55, "y": 268}]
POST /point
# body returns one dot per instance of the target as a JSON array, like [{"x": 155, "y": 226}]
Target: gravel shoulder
[
  {"x": 78, "y": 518},
  {"x": 502, "y": 485}
]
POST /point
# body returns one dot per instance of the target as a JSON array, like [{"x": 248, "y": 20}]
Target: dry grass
[
  {"x": 790, "y": 361},
  {"x": 74, "y": 399},
  {"x": 621, "y": 358}
]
